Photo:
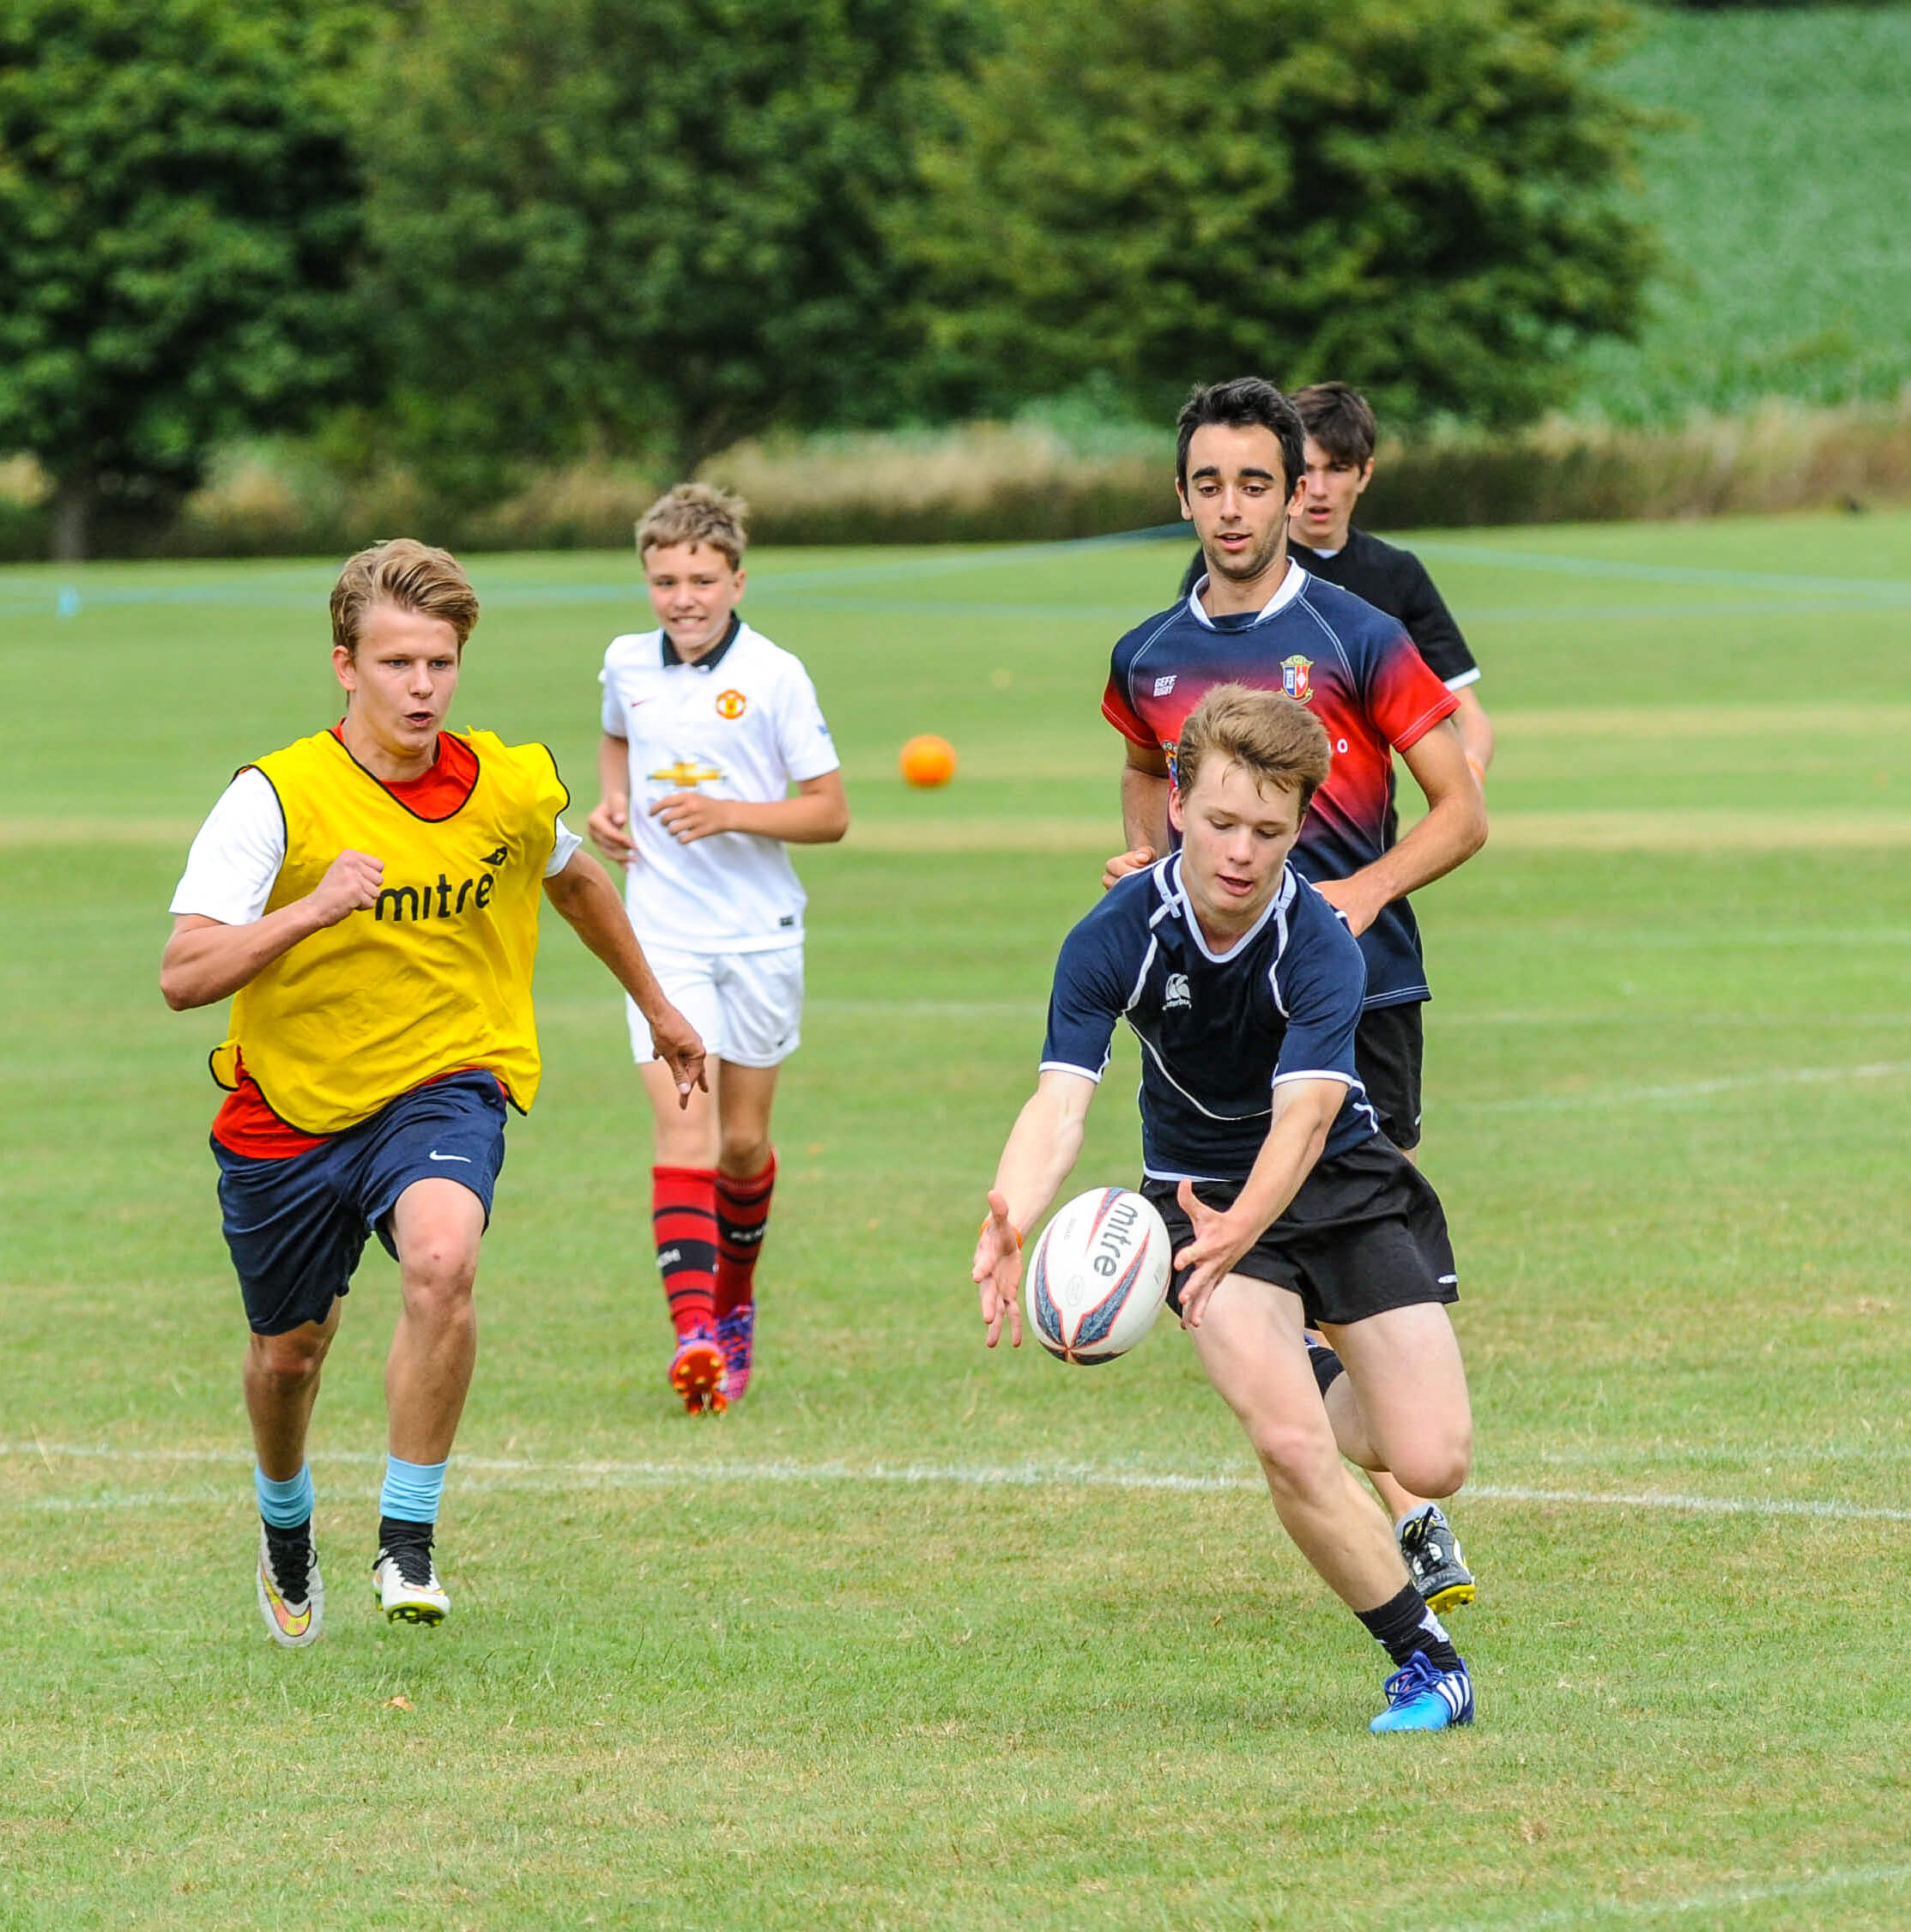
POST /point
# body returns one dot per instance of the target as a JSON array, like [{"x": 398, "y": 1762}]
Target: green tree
[
  {"x": 650, "y": 229},
  {"x": 1423, "y": 197},
  {"x": 179, "y": 209}
]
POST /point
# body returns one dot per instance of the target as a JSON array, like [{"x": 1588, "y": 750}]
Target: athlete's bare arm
[
  {"x": 584, "y": 896},
  {"x": 1144, "y": 812},
  {"x": 1476, "y": 731},
  {"x": 206, "y": 959},
  {"x": 609, "y": 824},
  {"x": 1303, "y": 1113},
  {"x": 818, "y": 815},
  {"x": 1041, "y": 1149},
  {"x": 1454, "y": 829}
]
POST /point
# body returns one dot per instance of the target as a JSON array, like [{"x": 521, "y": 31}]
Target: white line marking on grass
[
  {"x": 1884, "y": 591},
  {"x": 1684, "y": 1090},
  {"x": 1012, "y": 1475},
  {"x": 1627, "y": 1910}
]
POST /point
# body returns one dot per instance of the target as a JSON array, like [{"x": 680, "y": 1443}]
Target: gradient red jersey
[{"x": 1357, "y": 670}]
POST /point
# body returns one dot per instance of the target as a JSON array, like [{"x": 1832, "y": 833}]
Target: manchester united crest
[
  {"x": 1293, "y": 678},
  {"x": 730, "y": 703}
]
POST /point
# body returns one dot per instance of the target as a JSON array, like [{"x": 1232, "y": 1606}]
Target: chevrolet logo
[{"x": 686, "y": 772}]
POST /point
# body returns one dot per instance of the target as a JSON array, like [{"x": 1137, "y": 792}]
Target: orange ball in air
[{"x": 928, "y": 761}]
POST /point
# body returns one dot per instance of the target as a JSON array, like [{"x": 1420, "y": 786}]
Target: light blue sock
[
  {"x": 411, "y": 1490},
  {"x": 286, "y": 1505}
]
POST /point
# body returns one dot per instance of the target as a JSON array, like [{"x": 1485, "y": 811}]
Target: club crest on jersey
[
  {"x": 1175, "y": 992},
  {"x": 1293, "y": 678},
  {"x": 730, "y": 703},
  {"x": 686, "y": 772}
]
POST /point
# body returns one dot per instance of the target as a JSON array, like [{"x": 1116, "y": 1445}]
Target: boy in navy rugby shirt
[{"x": 1289, "y": 1208}]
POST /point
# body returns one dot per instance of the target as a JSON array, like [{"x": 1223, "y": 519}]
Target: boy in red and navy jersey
[{"x": 1257, "y": 618}]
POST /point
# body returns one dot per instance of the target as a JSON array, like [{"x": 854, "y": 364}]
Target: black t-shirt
[{"x": 1393, "y": 580}]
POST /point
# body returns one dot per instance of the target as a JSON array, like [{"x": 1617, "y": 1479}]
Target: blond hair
[
  {"x": 410, "y": 575},
  {"x": 695, "y": 513},
  {"x": 1276, "y": 741}
]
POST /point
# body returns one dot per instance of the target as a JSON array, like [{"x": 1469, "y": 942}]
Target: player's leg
[
  {"x": 683, "y": 1178},
  {"x": 435, "y": 1227},
  {"x": 1250, "y": 1344},
  {"x": 762, "y": 996},
  {"x": 293, "y": 1247},
  {"x": 1389, "y": 1049},
  {"x": 427, "y": 1172}
]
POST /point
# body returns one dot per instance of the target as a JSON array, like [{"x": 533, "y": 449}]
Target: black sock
[
  {"x": 1403, "y": 1624},
  {"x": 393, "y": 1530},
  {"x": 297, "y": 1532},
  {"x": 1326, "y": 1365}
]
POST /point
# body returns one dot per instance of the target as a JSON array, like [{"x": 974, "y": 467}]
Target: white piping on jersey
[
  {"x": 1293, "y": 580},
  {"x": 1284, "y": 897},
  {"x": 1069, "y": 1066}
]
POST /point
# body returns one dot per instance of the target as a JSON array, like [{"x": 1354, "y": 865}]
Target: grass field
[
  {"x": 925, "y": 1637},
  {"x": 1786, "y": 273}
]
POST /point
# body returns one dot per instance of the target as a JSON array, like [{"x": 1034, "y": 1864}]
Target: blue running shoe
[{"x": 1421, "y": 1699}]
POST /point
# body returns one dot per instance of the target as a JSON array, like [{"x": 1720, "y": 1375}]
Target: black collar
[{"x": 711, "y": 659}]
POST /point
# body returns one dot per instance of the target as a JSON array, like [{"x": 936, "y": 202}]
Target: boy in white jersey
[{"x": 706, "y": 726}]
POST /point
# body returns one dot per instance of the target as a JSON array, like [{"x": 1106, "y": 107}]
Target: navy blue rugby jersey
[
  {"x": 1219, "y": 1033},
  {"x": 1358, "y": 671}
]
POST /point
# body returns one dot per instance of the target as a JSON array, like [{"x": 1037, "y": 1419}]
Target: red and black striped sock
[
  {"x": 743, "y": 1213},
  {"x": 683, "y": 1209}
]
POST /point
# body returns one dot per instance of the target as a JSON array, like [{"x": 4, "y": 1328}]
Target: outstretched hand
[
  {"x": 997, "y": 1274},
  {"x": 1217, "y": 1245}
]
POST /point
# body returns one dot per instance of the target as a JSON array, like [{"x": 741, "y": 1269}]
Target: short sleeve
[
  {"x": 567, "y": 848},
  {"x": 611, "y": 714},
  {"x": 803, "y": 739},
  {"x": 1116, "y": 709},
  {"x": 1405, "y": 697},
  {"x": 1090, "y": 994},
  {"x": 1320, "y": 983},
  {"x": 236, "y": 856},
  {"x": 1432, "y": 627}
]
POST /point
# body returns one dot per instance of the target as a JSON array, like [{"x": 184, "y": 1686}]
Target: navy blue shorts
[{"x": 296, "y": 1227}]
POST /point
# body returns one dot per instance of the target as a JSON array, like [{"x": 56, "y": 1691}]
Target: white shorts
[{"x": 748, "y": 1006}]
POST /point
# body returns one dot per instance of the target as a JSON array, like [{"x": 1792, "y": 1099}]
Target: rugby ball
[{"x": 1098, "y": 1276}]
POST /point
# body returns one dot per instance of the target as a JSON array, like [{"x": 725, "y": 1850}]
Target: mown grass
[
  {"x": 1786, "y": 274},
  {"x": 908, "y": 1641}
]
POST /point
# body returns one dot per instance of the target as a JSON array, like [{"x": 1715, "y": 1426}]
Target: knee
[
  {"x": 1298, "y": 1462},
  {"x": 743, "y": 1155},
  {"x": 438, "y": 1275},
  {"x": 1436, "y": 1466},
  {"x": 289, "y": 1363}
]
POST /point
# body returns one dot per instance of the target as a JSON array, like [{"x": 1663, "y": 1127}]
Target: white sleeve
[
  {"x": 611, "y": 715},
  {"x": 564, "y": 852},
  {"x": 803, "y": 735},
  {"x": 237, "y": 855}
]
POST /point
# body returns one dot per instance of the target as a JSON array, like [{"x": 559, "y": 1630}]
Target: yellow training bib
[{"x": 438, "y": 976}]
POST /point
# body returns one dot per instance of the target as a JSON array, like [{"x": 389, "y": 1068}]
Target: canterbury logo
[{"x": 442, "y": 901}]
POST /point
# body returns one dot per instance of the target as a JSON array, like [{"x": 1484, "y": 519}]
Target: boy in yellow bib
[{"x": 370, "y": 897}]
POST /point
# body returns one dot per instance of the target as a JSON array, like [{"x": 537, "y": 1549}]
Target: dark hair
[
  {"x": 1244, "y": 403},
  {"x": 410, "y": 574},
  {"x": 1337, "y": 416}
]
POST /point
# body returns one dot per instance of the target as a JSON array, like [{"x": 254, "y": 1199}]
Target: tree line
[{"x": 471, "y": 235}]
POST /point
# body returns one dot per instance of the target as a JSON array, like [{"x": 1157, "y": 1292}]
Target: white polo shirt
[{"x": 742, "y": 722}]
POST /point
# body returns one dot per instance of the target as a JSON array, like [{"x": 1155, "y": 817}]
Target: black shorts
[
  {"x": 1388, "y": 1048},
  {"x": 296, "y": 1227},
  {"x": 1365, "y": 1233}
]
